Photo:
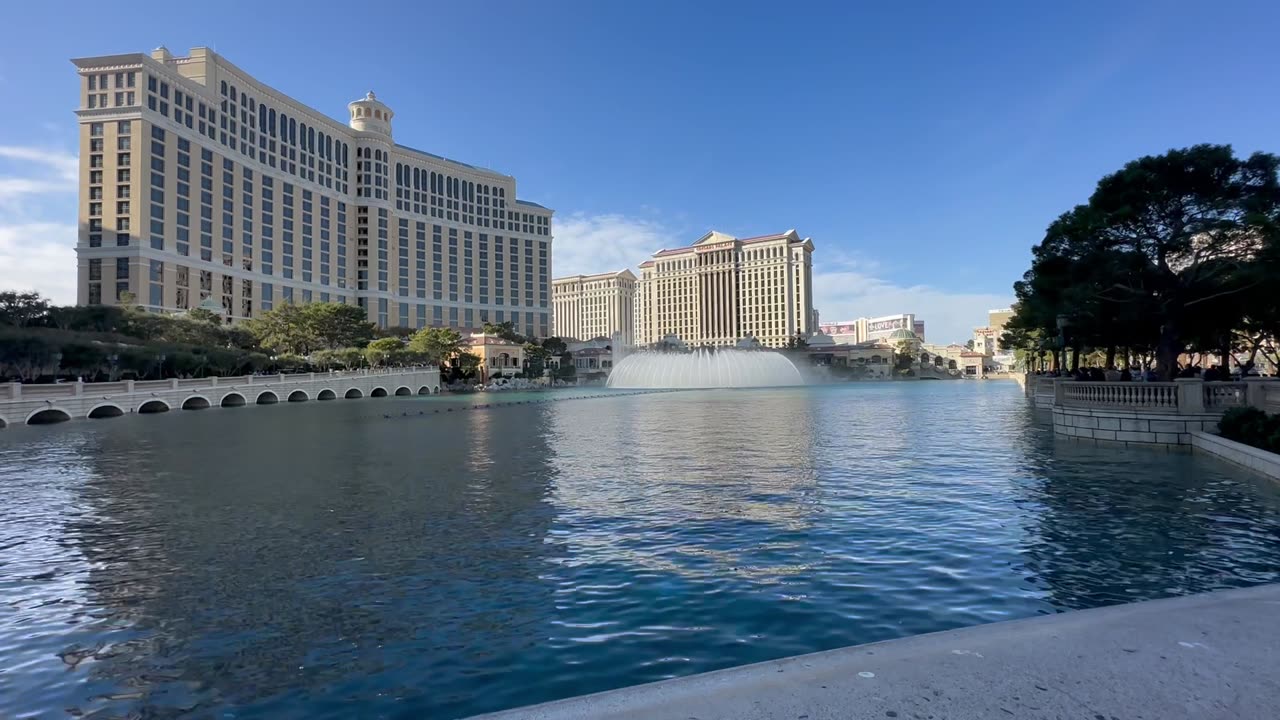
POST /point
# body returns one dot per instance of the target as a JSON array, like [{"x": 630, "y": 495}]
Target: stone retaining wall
[
  {"x": 1240, "y": 454},
  {"x": 1130, "y": 427}
]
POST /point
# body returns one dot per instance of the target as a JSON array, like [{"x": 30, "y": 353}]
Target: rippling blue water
[{"x": 324, "y": 561}]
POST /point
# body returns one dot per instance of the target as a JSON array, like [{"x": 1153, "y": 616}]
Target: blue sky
[{"x": 924, "y": 147}]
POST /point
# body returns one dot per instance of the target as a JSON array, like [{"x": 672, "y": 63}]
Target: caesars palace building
[{"x": 202, "y": 187}]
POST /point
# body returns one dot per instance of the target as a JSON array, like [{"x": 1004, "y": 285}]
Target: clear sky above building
[{"x": 924, "y": 147}]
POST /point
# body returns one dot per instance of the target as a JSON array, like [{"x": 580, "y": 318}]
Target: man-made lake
[{"x": 323, "y": 561}]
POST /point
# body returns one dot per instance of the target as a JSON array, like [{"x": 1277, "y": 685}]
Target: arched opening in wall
[
  {"x": 378, "y": 392},
  {"x": 105, "y": 411},
  {"x": 153, "y": 406},
  {"x": 268, "y": 398},
  {"x": 3, "y": 423},
  {"x": 326, "y": 394},
  {"x": 48, "y": 416},
  {"x": 402, "y": 390},
  {"x": 195, "y": 402},
  {"x": 435, "y": 390},
  {"x": 299, "y": 396},
  {"x": 353, "y": 394},
  {"x": 424, "y": 390},
  {"x": 233, "y": 400}
]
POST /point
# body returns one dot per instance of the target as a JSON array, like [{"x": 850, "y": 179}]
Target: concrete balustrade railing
[
  {"x": 1149, "y": 413},
  {"x": 1161, "y": 396},
  {"x": 34, "y": 404}
]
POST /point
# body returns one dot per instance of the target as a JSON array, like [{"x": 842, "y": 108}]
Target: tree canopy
[
  {"x": 303, "y": 329},
  {"x": 1171, "y": 253}
]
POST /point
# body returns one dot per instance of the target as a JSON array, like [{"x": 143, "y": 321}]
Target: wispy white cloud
[
  {"x": 847, "y": 283},
  {"x": 37, "y": 221},
  {"x": 586, "y": 244},
  {"x": 65, "y": 166},
  {"x": 39, "y": 256},
  {"x": 848, "y": 290}
]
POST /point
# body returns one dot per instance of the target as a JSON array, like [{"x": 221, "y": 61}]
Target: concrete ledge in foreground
[{"x": 1201, "y": 657}]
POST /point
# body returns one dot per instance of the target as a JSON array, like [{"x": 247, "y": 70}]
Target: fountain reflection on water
[{"x": 727, "y": 368}]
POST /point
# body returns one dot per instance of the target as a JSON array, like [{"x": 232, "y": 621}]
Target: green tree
[
  {"x": 555, "y": 346},
  {"x": 337, "y": 325},
  {"x": 1168, "y": 254},
  {"x": 383, "y": 351},
  {"x": 83, "y": 359},
  {"x": 350, "y": 358},
  {"x": 436, "y": 345},
  {"x": 206, "y": 316},
  {"x": 535, "y": 358},
  {"x": 506, "y": 331},
  {"x": 22, "y": 309},
  {"x": 466, "y": 364}
]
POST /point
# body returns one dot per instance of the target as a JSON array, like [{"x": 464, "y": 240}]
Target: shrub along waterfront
[{"x": 43, "y": 342}]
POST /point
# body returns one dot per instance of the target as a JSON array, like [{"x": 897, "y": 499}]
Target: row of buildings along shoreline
[{"x": 201, "y": 186}]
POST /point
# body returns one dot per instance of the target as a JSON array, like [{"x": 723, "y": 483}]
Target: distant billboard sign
[{"x": 885, "y": 325}]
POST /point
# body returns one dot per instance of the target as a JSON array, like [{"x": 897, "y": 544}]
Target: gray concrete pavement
[{"x": 1204, "y": 657}]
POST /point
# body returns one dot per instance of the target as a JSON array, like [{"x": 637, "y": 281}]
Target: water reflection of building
[{"x": 608, "y": 495}]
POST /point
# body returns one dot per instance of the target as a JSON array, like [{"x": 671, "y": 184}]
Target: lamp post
[{"x": 1063, "y": 322}]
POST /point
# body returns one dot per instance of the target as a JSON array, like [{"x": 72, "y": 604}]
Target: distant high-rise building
[
  {"x": 591, "y": 306},
  {"x": 722, "y": 289},
  {"x": 996, "y": 320},
  {"x": 199, "y": 183}
]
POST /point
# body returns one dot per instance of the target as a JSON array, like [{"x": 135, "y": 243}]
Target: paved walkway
[{"x": 1202, "y": 657}]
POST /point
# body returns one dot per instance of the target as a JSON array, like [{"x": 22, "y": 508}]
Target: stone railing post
[
  {"x": 281, "y": 378},
  {"x": 15, "y": 391},
  {"x": 1255, "y": 392},
  {"x": 79, "y": 387},
  {"x": 128, "y": 386},
  {"x": 311, "y": 376},
  {"x": 173, "y": 383},
  {"x": 1190, "y": 396},
  {"x": 213, "y": 381},
  {"x": 248, "y": 379},
  {"x": 1059, "y": 390}
]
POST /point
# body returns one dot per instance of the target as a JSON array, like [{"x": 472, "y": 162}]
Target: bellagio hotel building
[
  {"x": 200, "y": 186},
  {"x": 723, "y": 289}
]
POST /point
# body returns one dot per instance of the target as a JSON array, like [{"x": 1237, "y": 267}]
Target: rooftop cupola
[{"x": 369, "y": 114}]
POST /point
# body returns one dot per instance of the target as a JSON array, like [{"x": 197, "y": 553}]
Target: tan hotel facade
[
  {"x": 591, "y": 306},
  {"x": 723, "y": 289},
  {"x": 198, "y": 182}
]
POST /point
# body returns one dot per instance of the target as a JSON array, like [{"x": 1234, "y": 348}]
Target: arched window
[
  {"x": 323, "y": 139},
  {"x": 293, "y": 131},
  {"x": 344, "y": 154},
  {"x": 311, "y": 140},
  {"x": 253, "y": 106},
  {"x": 328, "y": 147},
  {"x": 302, "y": 135},
  {"x": 433, "y": 181},
  {"x": 271, "y": 121},
  {"x": 224, "y": 87},
  {"x": 233, "y": 93}
]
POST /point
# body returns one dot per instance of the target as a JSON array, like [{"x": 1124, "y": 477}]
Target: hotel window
[{"x": 123, "y": 143}]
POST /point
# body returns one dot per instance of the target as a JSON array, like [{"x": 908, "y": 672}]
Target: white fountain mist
[{"x": 705, "y": 369}]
